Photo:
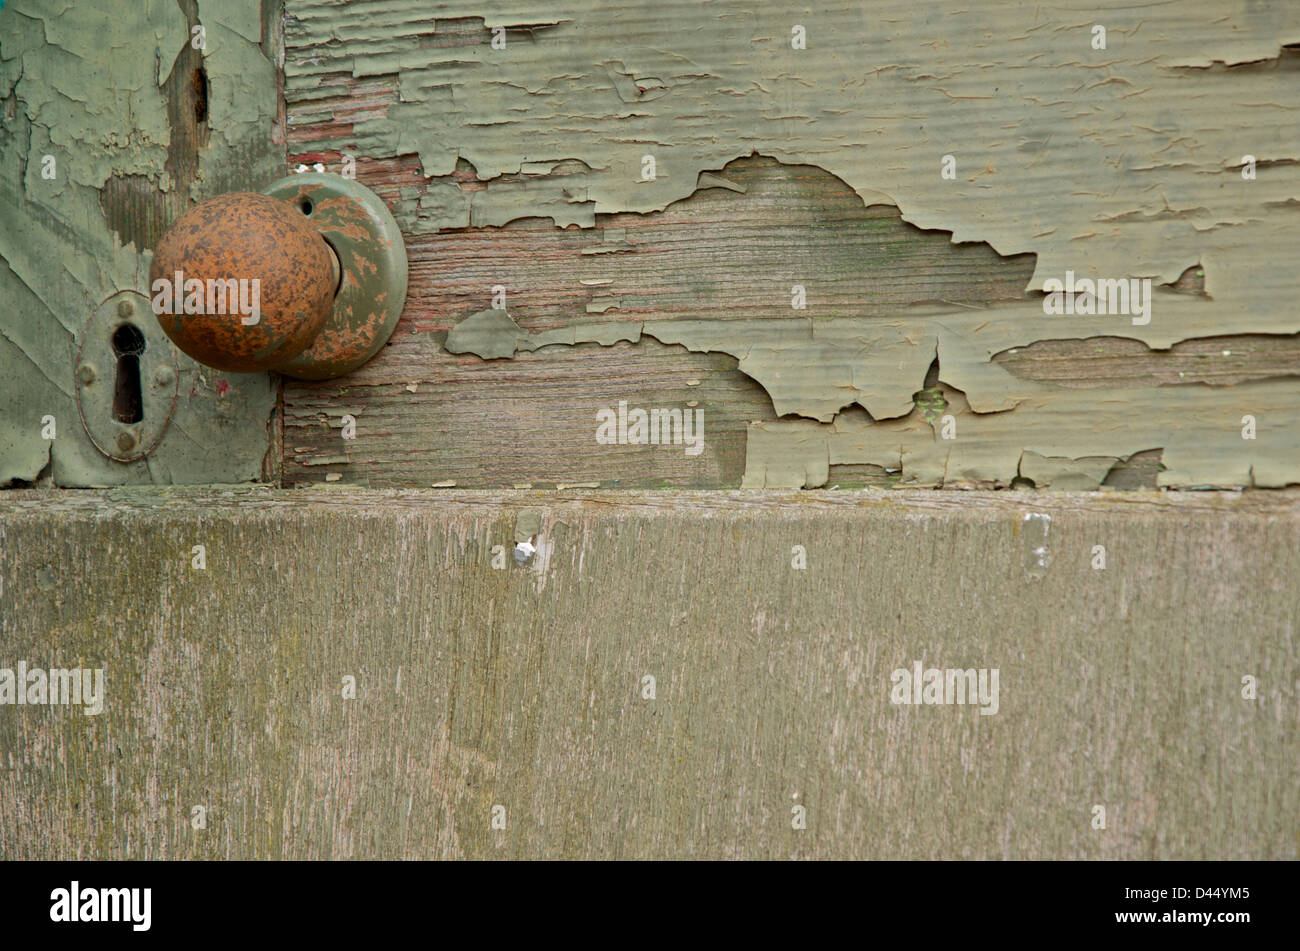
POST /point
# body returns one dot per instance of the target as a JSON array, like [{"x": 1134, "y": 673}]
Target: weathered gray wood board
[
  {"x": 522, "y": 687},
  {"x": 511, "y": 141}
]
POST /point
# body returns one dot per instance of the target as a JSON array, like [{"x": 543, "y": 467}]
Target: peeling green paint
[
  {"x": 1200, "y": 429},
  {"x": 1110, "y": 163},
  {"x": 528, "y": 524},
  {"x": 87, "y": 87}
]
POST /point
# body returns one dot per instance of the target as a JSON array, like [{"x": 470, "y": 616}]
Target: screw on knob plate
[{"x": 307, "y": 279}]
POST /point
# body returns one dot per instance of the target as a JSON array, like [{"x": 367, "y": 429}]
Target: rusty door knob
[
  {"x": 270, "y": 274},
  {"x": 307, "y": 279}
]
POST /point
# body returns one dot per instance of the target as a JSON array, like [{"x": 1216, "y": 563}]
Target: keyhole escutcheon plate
[{"x": 126, "y": 378}]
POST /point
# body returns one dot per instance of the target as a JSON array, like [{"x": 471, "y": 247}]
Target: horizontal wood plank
[{"x": 522, "y": 687}]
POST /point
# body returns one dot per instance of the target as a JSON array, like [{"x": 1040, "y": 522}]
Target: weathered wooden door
[{"x": 852, "y": 431}]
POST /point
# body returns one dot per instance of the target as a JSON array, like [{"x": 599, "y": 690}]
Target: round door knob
[
  {"x": 242, "y": 282},
  {"x": 307, "y": 278}
]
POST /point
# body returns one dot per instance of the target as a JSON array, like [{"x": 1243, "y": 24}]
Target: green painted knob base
[{"x": 371, "y": 254}]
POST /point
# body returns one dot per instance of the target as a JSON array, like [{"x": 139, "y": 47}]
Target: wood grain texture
[
  {"x": 521, "y": 687},
  {"x": 719, "y": 254},
  {"x": 451, "y": 131}
]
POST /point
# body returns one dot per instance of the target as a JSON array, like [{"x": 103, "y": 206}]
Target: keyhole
[{"x": 128, "y": 344}]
